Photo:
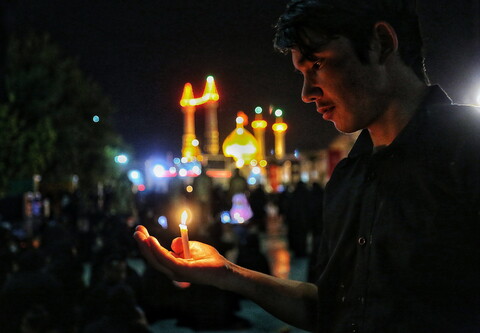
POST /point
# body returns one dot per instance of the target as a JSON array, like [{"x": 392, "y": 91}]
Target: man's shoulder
[
  {"x": 460, "y": 118},
  {"x": 459, "y": 111}
]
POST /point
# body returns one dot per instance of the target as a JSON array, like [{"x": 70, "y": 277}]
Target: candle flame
[{"x": 184, "y": 217}]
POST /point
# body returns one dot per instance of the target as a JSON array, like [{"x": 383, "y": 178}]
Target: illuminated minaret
[
  {"x": 210, "y": 96},
  {"x": 259, "y": 126},
  {"x": 279, "y": 128},
  {"x": 190, "y": 148}
]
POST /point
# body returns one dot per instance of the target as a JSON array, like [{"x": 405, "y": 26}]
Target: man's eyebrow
[
  {"x": 311, "y": 57},
  {"x": 310, "y": 53}
]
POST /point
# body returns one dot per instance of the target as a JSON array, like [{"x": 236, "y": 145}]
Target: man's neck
[{"x": 396, "y": 117}]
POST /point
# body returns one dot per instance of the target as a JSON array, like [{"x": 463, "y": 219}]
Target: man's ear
[{"x": 386, "y": 39}]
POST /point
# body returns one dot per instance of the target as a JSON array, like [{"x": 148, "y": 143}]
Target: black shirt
[{"x": 400, "y": 248}]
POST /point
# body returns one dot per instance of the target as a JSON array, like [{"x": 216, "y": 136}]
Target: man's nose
[{"x": 310, "y": 93}]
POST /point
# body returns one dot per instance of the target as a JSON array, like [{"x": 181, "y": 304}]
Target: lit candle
[{"x": 184, "y": 234}]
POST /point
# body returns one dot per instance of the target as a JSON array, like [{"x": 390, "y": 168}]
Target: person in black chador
[
  {"x": 298, "y": 219},
  {"x": 258, "y": 200}
]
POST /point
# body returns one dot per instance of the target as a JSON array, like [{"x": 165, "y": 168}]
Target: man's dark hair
[{"x": 353, "y": 19}]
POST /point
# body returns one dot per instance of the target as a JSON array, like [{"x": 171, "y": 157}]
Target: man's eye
[{"x": 318, "y": 64}]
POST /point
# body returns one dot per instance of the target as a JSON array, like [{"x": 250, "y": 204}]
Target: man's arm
[{"x": 294, "y": 302}]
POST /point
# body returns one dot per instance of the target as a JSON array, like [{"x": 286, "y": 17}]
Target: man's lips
[{"x": 325, "y": 111}]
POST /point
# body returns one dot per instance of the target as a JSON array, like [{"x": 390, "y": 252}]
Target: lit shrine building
[{"x": 244, "y": 150}]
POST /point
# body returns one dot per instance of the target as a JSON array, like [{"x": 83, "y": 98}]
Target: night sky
[{"x": 143, "y": 52}]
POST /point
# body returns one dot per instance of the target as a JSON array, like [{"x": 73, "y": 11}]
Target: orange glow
[
  {"x": 242, "y": 115},
  {"x": 209, "y": 94},
  {"x": 279, "y": 127},
  {"x": 259, "y": 124},
  {"x": 219, "y": 173}
]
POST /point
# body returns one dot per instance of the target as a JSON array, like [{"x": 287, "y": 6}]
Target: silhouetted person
[
  {"x": 237, "y": 184},
  {"x": 258, "y": 201},
  {"x": 250, "y": 254},
  {"x": 122, "y": 314},
  {"x": 7, "y": 254},
  {"x": 36, "y": 320},
  {"x": 29, "y": 286},
  {"x": 67, "y": 268},
  {"x": 299, "y": 219},
  {"x": 202, "y": 193},
  {"x": 113, "y": 272},
  {"x": 316, "y": 225}
]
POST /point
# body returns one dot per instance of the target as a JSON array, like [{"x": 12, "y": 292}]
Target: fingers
[
  {"x": 156, "y": 255},
  {"x": 164, "y": 256},
  {"x": 142, "y": 229},
  {"x": 139, "y": 237},
  {"x": 143, "y": 246},
  {"x": 164, "y": 260},
  {"x": 145, "y": 241}
]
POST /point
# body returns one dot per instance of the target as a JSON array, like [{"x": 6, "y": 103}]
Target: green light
[
  {"x": 278, "y": 113},
  {"x": 258, "y": 110}
]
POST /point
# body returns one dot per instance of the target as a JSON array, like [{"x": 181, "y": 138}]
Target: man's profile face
[{"x": 345, "y": 91}]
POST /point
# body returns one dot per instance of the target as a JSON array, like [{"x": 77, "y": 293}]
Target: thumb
[{"x": 177, "y": 245}]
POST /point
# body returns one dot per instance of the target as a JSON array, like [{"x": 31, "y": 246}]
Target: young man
[{"x": 400, "y": 249}]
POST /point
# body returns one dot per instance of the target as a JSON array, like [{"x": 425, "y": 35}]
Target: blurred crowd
[{"x": 81, "y": 272}]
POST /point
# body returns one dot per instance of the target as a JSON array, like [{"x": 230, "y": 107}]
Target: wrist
[{"x": 230, "y": 278}]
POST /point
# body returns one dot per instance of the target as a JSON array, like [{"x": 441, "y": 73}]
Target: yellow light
[
  {"x": 184, "y": 217},
  {"x": 279, "y": 127},
  {"x": 240, "y": 144},
  {"x": 238, "y": 150},
  {"x": 209, "y": 94},
  {"x": 259, "y": 124},
  {"x": 189, "y": 189},
  {"x": 187, "y": 94},
  {"x": 263, "y": 163}
]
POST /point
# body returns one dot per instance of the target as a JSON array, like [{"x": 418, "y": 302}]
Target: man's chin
[{"x": 345, "y": 130}]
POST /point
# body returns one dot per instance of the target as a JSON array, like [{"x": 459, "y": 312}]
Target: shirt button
[
  {"x": 362, "y": 241},
  {"x": 354, "y": 328}
]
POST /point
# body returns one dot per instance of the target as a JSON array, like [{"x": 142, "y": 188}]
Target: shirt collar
[{"x": 435, "y": 96}]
